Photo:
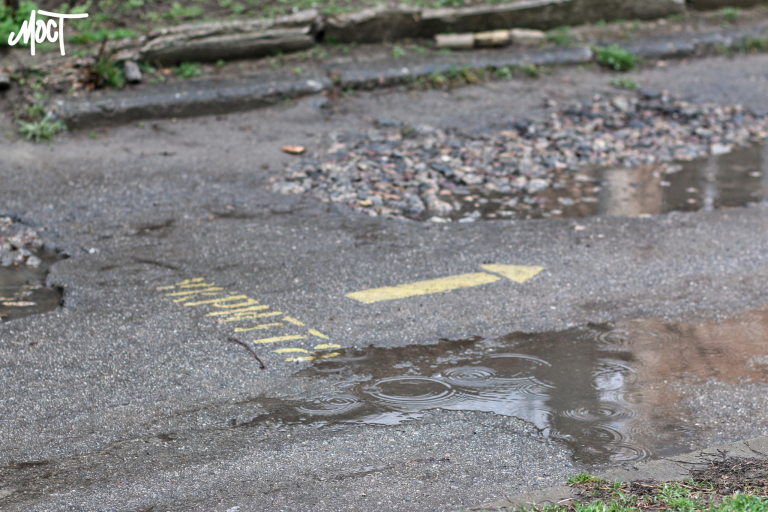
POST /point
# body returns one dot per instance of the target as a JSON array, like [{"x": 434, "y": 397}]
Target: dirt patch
[{"x": 717, "y": 480}]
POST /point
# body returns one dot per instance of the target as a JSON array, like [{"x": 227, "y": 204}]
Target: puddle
[
  {"x": 23, "y": 291},
  {"x": 610, "y": 392},
  {"x": 739, "y": 178}
]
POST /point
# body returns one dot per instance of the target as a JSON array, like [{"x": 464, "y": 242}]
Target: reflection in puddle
[
  {"x": 609, "y": 392},
  {"x": 739, "y": 178},
  {"x": 23, "y": 291}
]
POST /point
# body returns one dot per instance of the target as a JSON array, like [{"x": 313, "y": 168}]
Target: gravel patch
[
  {"x": 17, "y": 244},
  {"x": 424, "y": 173}
]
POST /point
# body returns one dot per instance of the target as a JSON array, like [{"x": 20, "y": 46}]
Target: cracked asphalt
[{"x": 124, "y": 399}]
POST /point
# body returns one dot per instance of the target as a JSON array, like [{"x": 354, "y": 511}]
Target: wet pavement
[
  {"x": 130, "y": 396},
  {"x": 611, "y": 393},
  {"x": 23, "y": 290},
  {"x": 731, "y": 180}
]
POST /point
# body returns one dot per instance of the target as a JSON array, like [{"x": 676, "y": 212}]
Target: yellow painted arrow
[{"x": 517, "y": 273}]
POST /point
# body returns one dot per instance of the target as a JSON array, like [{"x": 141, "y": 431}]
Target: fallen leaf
[{"x": 294, "y": 150}]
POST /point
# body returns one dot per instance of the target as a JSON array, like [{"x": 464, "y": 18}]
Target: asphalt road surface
[{"x": 130, "y": 397}]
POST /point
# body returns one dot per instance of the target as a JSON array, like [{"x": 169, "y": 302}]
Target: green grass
[
  {"x": 179, "y": 12},
  {"x": 531, "y": 70},
  {"x": 104, "y": 72},
  {"x": 724, "y": 50},
  {"x": 722, "y": 485},
  {"x": 92, "y": 36},
  {"x": 583, "y": 478},
  {"x": 35, "y": 124},
  {"x": 11, "y": 22},
  {"x": 672, "y": 497},
  {"x": 626, "y": 83},
  {"x": 319, "y": 52},
  {"x": 188, "y": 70},
  {"x": 40, "y": 131},
  {"x": 728, "y": 14},
  {"x": 398, "y": 51},
  {"x": 561, "y": 36},
  {"x": 615, "y": 57},
  {"x": 753, "y": 45},
  {"x": 504, "y": 72}
]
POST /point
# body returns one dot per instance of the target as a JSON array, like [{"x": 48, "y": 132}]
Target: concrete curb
[
  {"x": 386, "y": 23},
  {"x": 205, "y": 97},
  {"x": 387, "y": 73},
  {"x": 666, "y": 470}
]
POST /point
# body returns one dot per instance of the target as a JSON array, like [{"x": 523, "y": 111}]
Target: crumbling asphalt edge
[{"x": 668, "y": 469}]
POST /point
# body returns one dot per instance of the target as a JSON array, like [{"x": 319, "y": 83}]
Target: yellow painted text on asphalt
[{"x": 247, "y": 314}]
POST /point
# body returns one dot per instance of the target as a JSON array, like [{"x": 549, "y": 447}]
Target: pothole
[
  {"x": 23, "y": 269},
  {"x": 612, "y": 393},
  {"x": 615, "y": 156}
]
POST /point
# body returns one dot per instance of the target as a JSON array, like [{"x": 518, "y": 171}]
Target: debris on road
[
  {"x": 250, "y": 349},
  {"x": 18, "y": 243},
  {"x": 394, "y": 170},
  {"x": 132, "y": 72},
  {"x": 527, "y": 37},
  {"x": 491, "y": 38},
  {"x": 293, "y": 150},
  {"x": 455, "y": 41}
]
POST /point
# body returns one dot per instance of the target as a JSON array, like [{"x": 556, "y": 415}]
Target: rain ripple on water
[{"x": 605, "y": 390}]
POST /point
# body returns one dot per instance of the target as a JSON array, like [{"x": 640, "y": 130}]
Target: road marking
[
  {"x": 213, "y": 301},
  {"x": 243, "y": 310},
  {"x": 187, "y": 283},
  {"x": 517, "y": 273},
  {"x": 231, "y": 306},
  {"x": 247, "y": 303},
  {"x": 258, "y": 327},
  {"x": 288, "y": 350},
  {"x": 442, "y": 284},
  {"x": 306, "y": 358},
  {"x": 279, "y": 338},
  {"x": 204, "y": 291},
  {"x": 301, "y": 358},
  {"x": 249, "y": 316},
  {"x": 326, "y": 346}
]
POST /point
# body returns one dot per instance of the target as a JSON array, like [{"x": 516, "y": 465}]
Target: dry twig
[{"x": 250, "y": 350}]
